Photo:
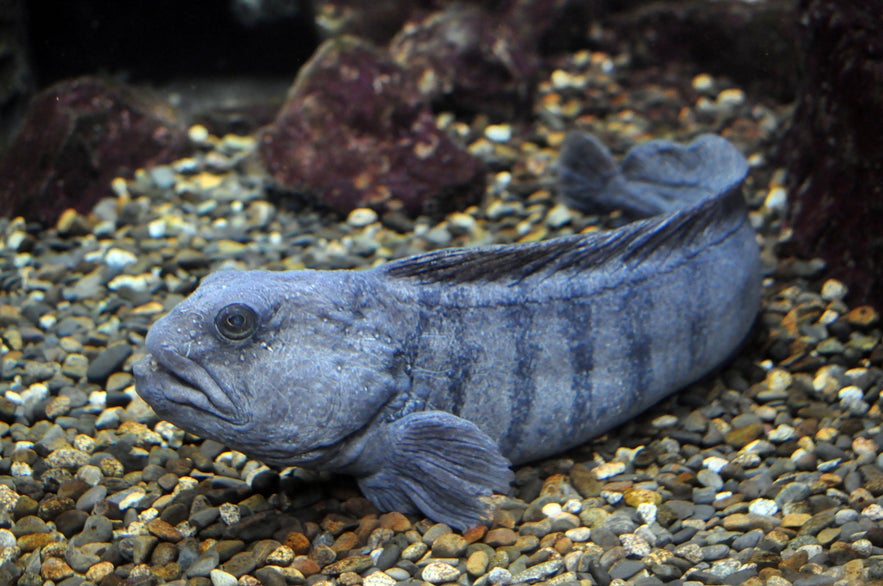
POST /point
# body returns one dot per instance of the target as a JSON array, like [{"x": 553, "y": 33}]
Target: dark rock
[
  {"x": 355, "y": 132},
  {"x": 77, "y": 136},
  {"x": 107, "y": 362},
  {"x": 835, "y": 144},
  {"x": 71, "y": 522}
]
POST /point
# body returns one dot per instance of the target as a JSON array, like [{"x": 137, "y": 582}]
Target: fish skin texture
[{"x": 428, "y": 377}]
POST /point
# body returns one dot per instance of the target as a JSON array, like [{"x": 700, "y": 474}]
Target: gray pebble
[
  {"x": 625, "y": 569},
  {"x": 108, "y": 361}
]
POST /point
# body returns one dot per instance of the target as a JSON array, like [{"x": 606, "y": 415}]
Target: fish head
[{"x": 284, "y": 367}]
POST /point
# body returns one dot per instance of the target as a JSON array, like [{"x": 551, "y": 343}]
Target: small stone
[
  {"x": 833, "y": 290},
  {"x": 55, "y": 569},
  {"x": 361, "y": 217},
  {"x": 609, "y": 469},
  {"x": 379, "y": 579},
  {"x": 355, "y": 563},
  {"x": 477, "y": 562},
  {"x": 500, "y": 537},
  {"x": 222, "y": 578},
  {"x": 449, "y": 546},
  {"x": 108, "y": 361},
  {"x": 439, "y": 573},
  {"x": 863, "y": 316},
  {"x": 498, "y": 132}
]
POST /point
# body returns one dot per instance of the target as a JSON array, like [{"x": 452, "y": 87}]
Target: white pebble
[
  {"x": 559, "y": 216},
  {"x": 609, "y": 469},
  {"x": 573, "y": 506},
  {"x": 647, "y": 513},
  {"x": 874, "y": 512},
  {"x": 198, "y": 133},
  {"x": 379, "y": 579},
  {"x": 703, "y": 82},
  {"x": 230, "y": 513},
  {"x": 222, "y": 578},
  {"x": 156, "y": 228},
  {"x": 551, "y": 509},
  {"x": 578, "y": 534},
  {"x": 498, "y": 132},
  {"x": 439, "y": 572},
  {"x": 776, "y": 199},
  {"x": 782, "y": 433},
  {"x": 715, "y": 463},
  {"x": 117, "y": 258},
  {"x": 833, "y": 290},
  {"x": 361, "y": 217},
  {"x": 850, "y": 393},
  {"x": 764, "y": 507}
]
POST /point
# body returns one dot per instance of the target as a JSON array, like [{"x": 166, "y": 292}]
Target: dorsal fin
[{"x": 687, "y": 231}]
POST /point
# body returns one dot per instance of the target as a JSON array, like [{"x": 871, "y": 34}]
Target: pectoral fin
[{"x": 440, "y": 465}]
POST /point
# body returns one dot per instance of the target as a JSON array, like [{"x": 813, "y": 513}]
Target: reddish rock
[
  {"x": 835, "y": 146},
  {"x": 355, "y": 132},
  {"x": 77, "y": 136},
  {"x": 472, "y": 58}
]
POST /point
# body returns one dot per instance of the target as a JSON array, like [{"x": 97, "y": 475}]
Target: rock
[
  {"x": 76, "y": 137},
  {"x": 350, "y": 93},
  {"x": 835, "y": 142},
  {"x": 108, "y": 361},
  {"x": 439, "y": 573}
]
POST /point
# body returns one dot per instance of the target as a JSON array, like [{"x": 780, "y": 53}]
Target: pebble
[{"x": 439, "y": 573}]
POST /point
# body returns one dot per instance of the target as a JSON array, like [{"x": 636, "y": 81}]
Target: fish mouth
[{"x": 166, "y": 377}]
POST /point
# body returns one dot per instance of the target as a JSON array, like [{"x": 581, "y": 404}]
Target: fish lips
[{"x": 169, "y": 381}]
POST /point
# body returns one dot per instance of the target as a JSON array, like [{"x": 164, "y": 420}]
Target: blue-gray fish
[{"x": 428, "y": 377}]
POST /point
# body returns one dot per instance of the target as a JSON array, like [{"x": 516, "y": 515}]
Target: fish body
[{"x": 428, "y": 377}]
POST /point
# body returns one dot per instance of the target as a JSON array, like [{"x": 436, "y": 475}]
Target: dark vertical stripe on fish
[
  {"x": 519, "y": 323},
  {"x": 639, "y": 308},
  {"x": 462, "y": 360}
]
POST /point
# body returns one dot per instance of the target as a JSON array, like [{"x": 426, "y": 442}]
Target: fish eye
[{"x": 236, "y": 322}]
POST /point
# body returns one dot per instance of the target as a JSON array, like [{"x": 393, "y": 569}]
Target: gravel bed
[{"x": 769, "y": 472}]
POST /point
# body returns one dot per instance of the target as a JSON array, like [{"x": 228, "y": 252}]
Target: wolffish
[{"x": 428, "y": 377}]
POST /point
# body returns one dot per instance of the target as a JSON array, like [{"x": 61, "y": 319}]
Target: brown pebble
[
  {"x": 34, "y": 541},
  {"x": 164, "y": 531},
  {"x": 97, "y": 572},
  {"x": 168, "y": 572},
  {"x": 345, "y": 542},
  {"x": 349, "y": 579},
  {"x": 298, "y": 542},
  {"x": 305, "y": 566},
  {"x": 796, "y": 561},
  {"x": 638, "y": 496},
  {"x": 55, "y": 569},
  {"x": 395, "y": 521},
  {"x": 863, "y": 316},
  {"x": 500, "y": 537},
  {"x": 450, "y": 545},
  {"x": 795, "y": 520},
  {"x": 749, "y": 521},
  {"x": 742, "y": 436},
  {"x": 474, "y": 534}
]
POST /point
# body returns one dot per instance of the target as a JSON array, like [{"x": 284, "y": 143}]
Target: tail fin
[{"x": 657, "y": 176}]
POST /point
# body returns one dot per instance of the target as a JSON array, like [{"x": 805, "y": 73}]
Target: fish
[{"x": 429, "y": 377}]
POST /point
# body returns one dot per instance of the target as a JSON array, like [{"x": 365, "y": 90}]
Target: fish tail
[{"x": 655, "y": 177}]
